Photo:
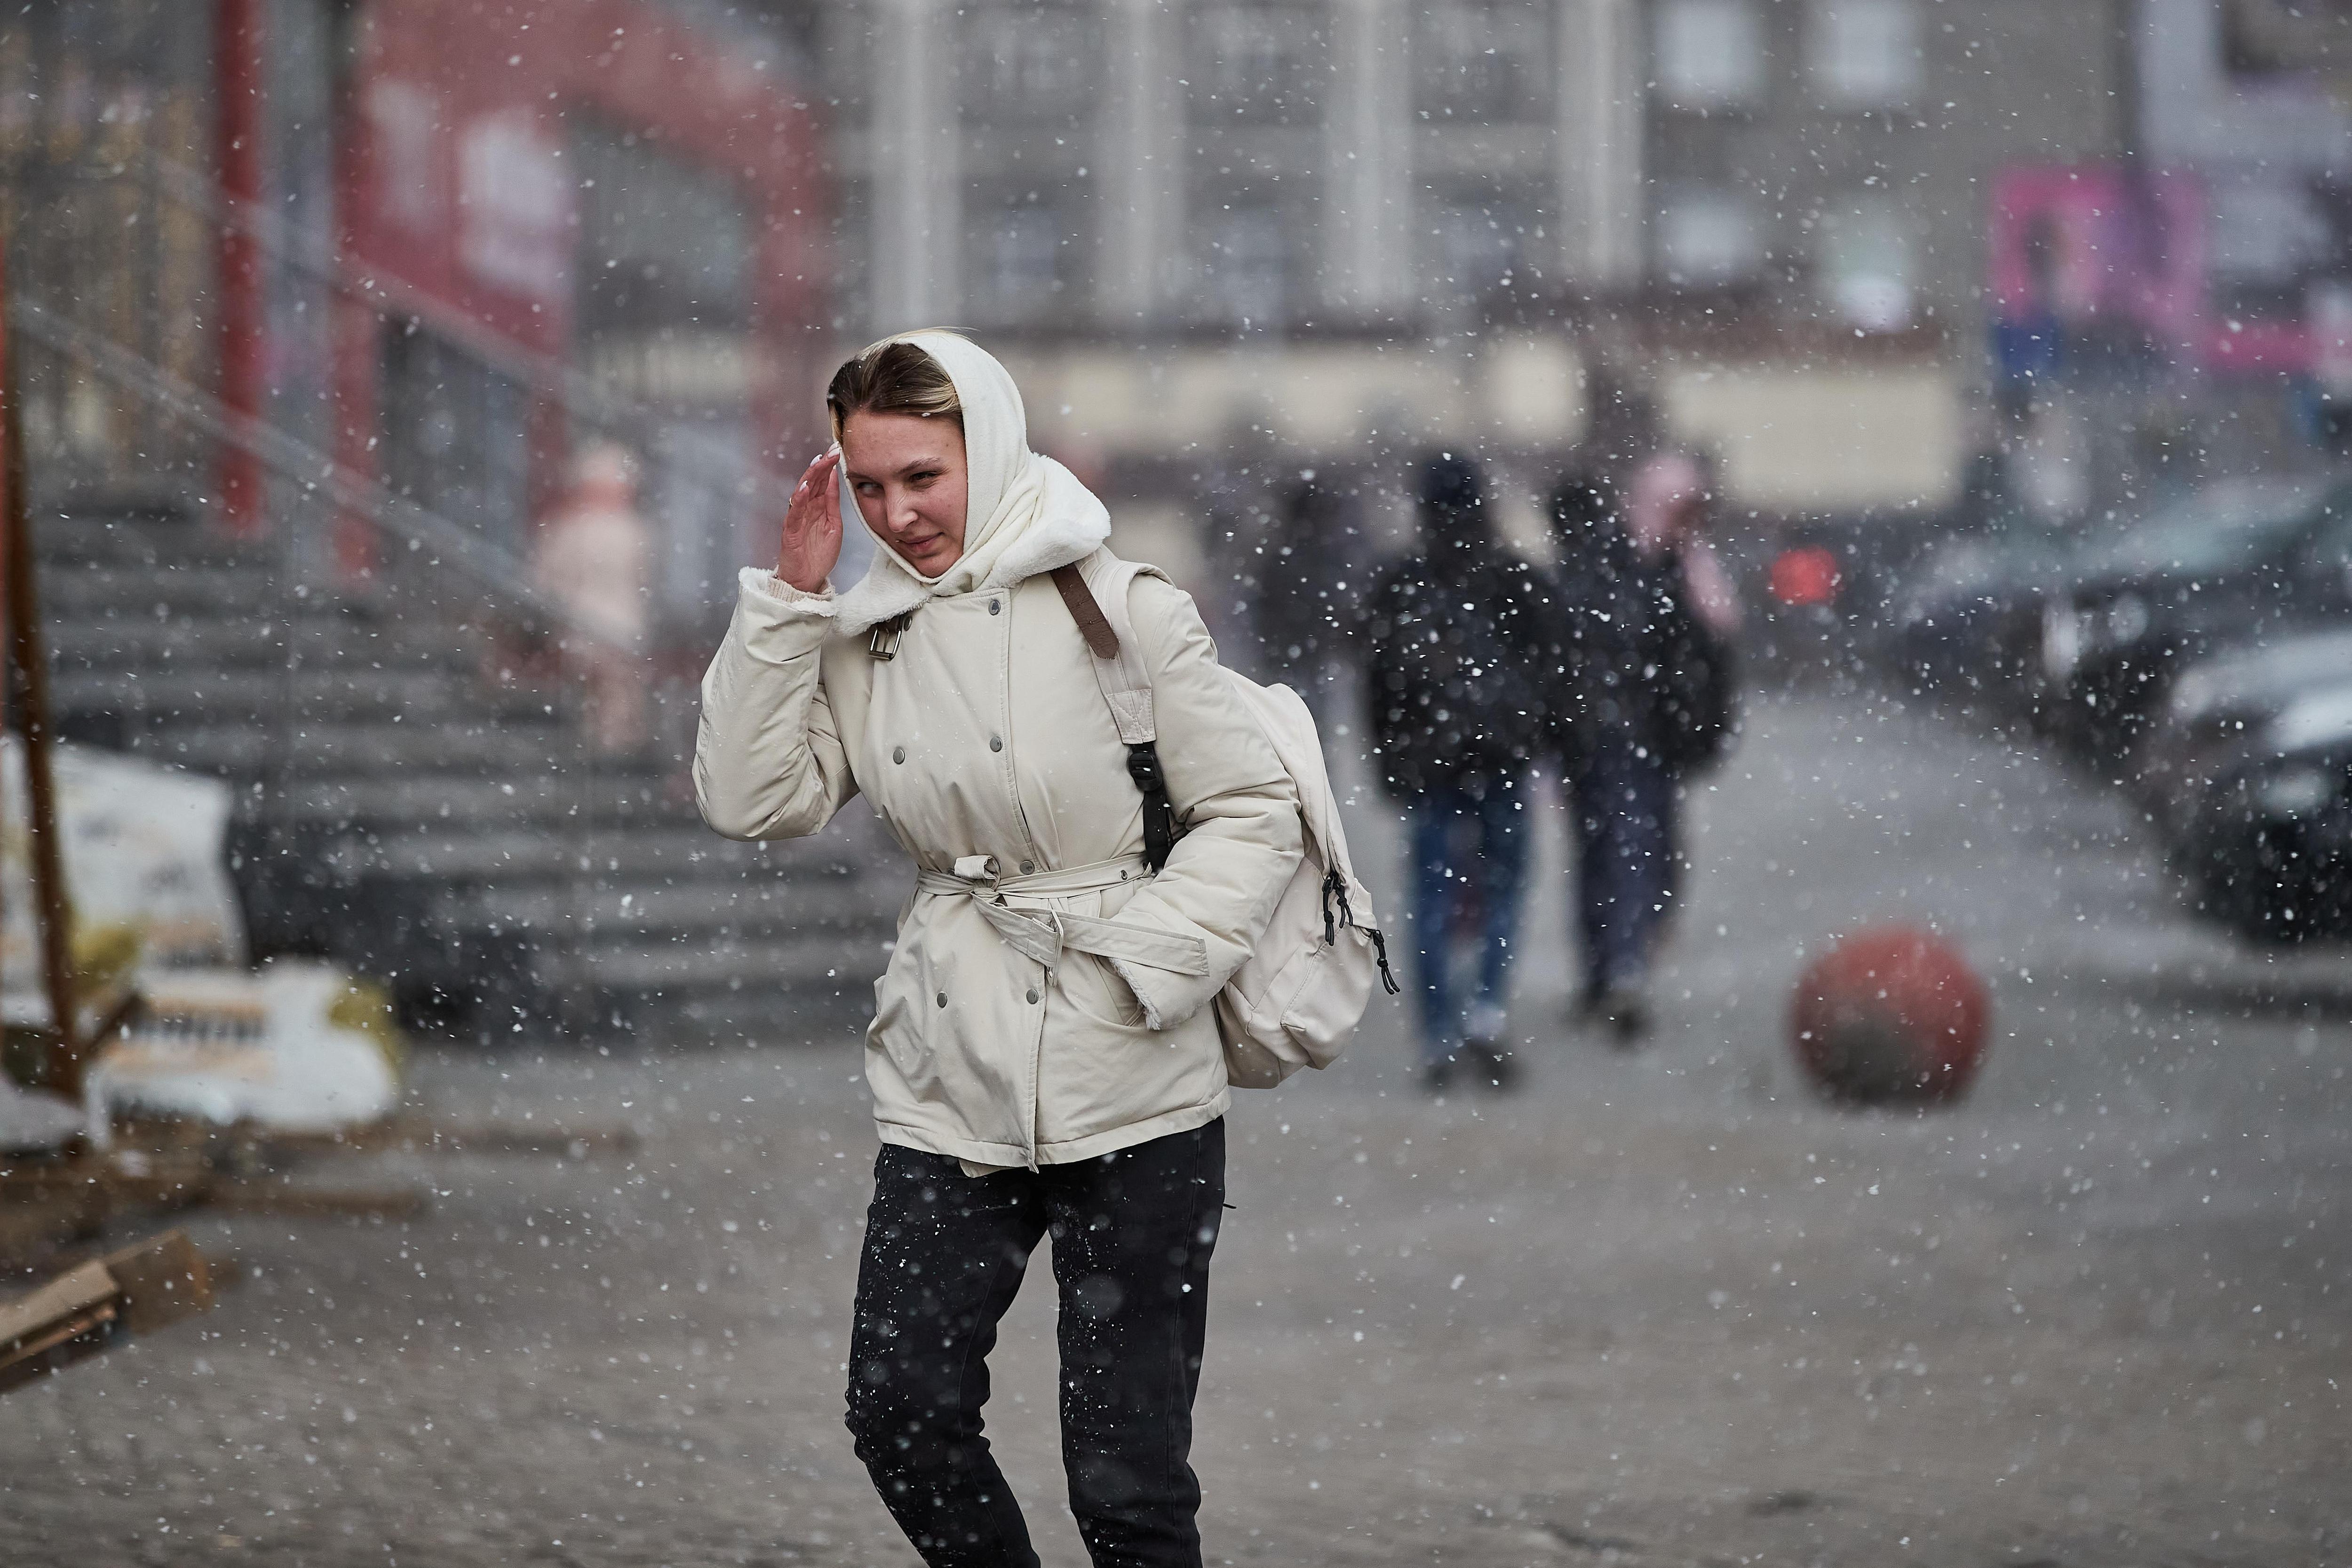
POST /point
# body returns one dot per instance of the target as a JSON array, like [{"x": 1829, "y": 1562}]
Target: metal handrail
[{"x": 478, "y": 558}]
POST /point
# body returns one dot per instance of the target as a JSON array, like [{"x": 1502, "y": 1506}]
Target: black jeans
[{"x": 944, "y": 1254}]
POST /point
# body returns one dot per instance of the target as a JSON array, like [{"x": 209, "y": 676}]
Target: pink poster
[{"x": 2095, "y": 249}]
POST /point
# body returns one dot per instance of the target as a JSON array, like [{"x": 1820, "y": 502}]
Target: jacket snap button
[
  {"x": 995, "y": 743},
  {"x": 996, "y": 606},
  {"x": 1033, "y": 996},
  {"x": 898, "y": 754},
  {"x": 1028, "y": 866},
  {"x": 943, "y": 998}
]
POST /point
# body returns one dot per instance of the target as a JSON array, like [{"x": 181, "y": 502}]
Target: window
[
  {"x": 1707, "y": 238},
  {"x": 1021, "y": 271},
  {"x": 1257, "y": 63},
  {"x": 1032, "y": 64},
  {"x": 1479, "y": 243},
  {"x": 515, "y": 206},
  {"x": 1865, "y": 53},
  {"x": 1710, "y": 53},
  {"x": 1248, "y": 266},
  {"x": 456, "y": 436},
  {"x": 1866, "y": 267},
  {"x": 1483, "y": 60},
  {"x": 2267, "y": 228},
  {"x": 663, "y": 241}
]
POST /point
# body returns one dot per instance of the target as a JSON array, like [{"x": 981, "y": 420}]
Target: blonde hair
[{"x": 892, "y": 376}]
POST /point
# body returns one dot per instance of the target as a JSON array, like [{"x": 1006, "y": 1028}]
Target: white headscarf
[{"x": 1023, "y": 513}]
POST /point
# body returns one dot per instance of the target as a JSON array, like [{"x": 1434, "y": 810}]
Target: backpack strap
[
  {"x": 1101, "y": 641},
  {"x": 1097, "y": 602}
]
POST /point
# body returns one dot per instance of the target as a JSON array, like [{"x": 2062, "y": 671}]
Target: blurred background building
[
  {"x": 313, "y": 302},
  {"x": 1455, "y": 220}
]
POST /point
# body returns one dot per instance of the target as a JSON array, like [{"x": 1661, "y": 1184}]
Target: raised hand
[{"x": 812, "y": 540}]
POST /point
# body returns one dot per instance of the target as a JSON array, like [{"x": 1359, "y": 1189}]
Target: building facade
[{"x": 1340, "y": 220}]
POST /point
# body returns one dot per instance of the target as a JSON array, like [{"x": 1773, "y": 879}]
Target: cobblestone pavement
[{"x": 1658, "y": 1308}]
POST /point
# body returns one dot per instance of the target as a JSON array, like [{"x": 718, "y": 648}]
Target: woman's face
[{"x": 908, "y": 475}]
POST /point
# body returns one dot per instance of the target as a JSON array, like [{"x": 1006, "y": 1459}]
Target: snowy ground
[{"x": 1656, "y": 1309}]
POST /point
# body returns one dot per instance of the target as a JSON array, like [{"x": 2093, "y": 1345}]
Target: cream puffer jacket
[{"x": 1046, "y": 999}]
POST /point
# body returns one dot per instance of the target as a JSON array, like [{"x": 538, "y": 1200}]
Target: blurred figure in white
[{"x": 592, "y": 557}]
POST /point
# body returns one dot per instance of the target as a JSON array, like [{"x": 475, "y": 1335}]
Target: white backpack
[{"x": 1295, "y": 999}]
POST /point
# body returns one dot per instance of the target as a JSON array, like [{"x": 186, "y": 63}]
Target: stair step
[
  {"x": 333, "y": 751},
  {"x": 135, "y": 645},
  {"x": 461, "y": 851},
  {"x": 76, "y": 538},
  {"x": 202, "y": 696},
  {"x": 817, "y": 962},
  {"x": 90, "y": 589},
  {"x": 359, "y": 802},
  {"x": 619, "y": 912}
]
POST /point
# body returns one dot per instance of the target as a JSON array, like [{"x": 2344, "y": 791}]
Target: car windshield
[
  {"x": 2015, "y": 552},
  {"x": 2222, "y": 529}
]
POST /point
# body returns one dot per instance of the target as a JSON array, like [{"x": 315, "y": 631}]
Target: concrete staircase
[{"x": 401, "y": 812}]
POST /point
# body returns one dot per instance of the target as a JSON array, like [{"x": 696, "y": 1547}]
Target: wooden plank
[
  {"x": 294, "y": 1200},
  {"x": 32, "y": 1315},
  {"x": 73, "y": 1339},
  {"x": 64, "y": 1329},
  {"x": 63, "y": 1321},
  {"x": 162, "y": 1279},
  {"x": 77, "y": 1290},
  {"x": 414, "y": 1135},
  {"x": 164, "y": 1183},
  {"x": 136, "y": 1289},
  {"x": 109, "y": 1194}
]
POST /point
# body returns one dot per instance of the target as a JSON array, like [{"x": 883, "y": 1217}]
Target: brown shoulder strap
[{"x": 1101, "y": 641}]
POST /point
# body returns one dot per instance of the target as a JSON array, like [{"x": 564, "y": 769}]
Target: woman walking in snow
[{"x": 1032, "y": 1077}]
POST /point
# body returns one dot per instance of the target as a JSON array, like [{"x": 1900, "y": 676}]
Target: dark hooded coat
[
  {"x": 1460, "y": 650},
  {"x": 1638, "y": 666}
]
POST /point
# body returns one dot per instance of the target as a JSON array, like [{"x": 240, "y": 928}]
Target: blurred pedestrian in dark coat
[
  {"x": 1310, "y": 586},
  {"x": 1646, "y": 696},
  {"x": 1456, "y": 637}
]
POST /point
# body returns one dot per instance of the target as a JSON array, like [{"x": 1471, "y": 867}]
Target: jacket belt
[{"x": 1026, "y": 913}]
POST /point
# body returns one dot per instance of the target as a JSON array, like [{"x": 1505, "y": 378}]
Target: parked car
[
  {"x": 2268, "y": 847},
  {"x": 1966, "y": 621},
  {"x": 2235, "y": 562},
  {"x": 2218, "y": 703}
]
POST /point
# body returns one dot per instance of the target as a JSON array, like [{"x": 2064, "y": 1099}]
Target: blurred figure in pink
[
  {"x": 1652, "y": 699},
  {"x": 594, "y": 556},
  {"x": 1667, "y": 515}
]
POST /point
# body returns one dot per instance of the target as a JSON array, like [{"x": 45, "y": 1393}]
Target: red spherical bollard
[{"x": 1889, "y": 1016}]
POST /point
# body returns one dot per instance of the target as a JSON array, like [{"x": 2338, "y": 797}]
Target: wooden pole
[
  {"x": 238, "y": 43},
  {"x": 52, "y": 911}
]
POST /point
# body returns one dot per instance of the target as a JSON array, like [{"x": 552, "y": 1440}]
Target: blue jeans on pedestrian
[
  {"x": 1469, "y": 858},
  {"x": 1623, "y": 802}
]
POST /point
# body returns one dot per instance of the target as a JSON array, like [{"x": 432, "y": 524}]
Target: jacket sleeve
[
  {"x": 768, "y": 760},
  {"x": 1244, "y": 840}
]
